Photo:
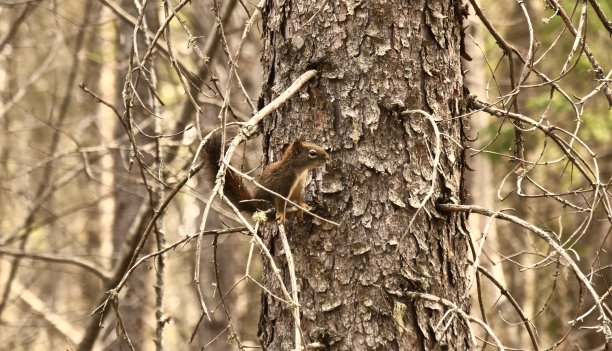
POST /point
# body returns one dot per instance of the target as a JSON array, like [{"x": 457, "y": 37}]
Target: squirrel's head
[{"x": 307, "y": 155}]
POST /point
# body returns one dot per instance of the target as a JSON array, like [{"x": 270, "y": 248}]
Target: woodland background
[{"x": 73, "y": 191}]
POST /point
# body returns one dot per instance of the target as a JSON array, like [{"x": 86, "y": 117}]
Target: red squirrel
[{"x": 286, "y": 177}]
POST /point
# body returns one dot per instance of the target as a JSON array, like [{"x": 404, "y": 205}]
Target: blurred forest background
[{"x": 74, "y": 194}]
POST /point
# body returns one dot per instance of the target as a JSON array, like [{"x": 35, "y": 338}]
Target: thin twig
[
  {"x": 434, "y": 172},
  {"x": 87, "y": 265},
  {"x": 295, "y": 309},
  {"x": 544, "y": 235},
  {"x": 246, "y": 131},
  {"x": 252, "y": 180}
]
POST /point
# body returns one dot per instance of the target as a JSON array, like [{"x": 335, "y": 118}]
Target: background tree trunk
[
  {"x": 374, "y": 59},
  {"x": 130, "y": 194}
]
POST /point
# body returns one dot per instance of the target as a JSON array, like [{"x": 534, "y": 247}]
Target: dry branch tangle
[{"x": 597, "y": 300}]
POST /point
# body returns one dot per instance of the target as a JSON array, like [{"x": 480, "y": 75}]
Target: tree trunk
[
  {"x": 375, "y": 60},
  {"x": 134, "y": 306}
]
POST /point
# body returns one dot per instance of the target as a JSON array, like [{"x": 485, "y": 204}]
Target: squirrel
[{"x": 286, "y": 177}]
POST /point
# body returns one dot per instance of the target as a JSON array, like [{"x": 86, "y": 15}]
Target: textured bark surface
[{"x": 374, "y": 58}]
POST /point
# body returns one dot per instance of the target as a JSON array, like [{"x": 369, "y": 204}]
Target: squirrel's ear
[{"x": 298, "y": 142}]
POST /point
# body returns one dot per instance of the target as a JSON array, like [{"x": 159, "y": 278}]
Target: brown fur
[{"x": 286, "y": 177}]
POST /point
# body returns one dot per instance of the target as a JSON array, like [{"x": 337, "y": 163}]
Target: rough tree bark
[{"x": 375, "y": 59}]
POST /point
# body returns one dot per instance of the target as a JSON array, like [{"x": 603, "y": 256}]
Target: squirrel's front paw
[{"x": 280, "y": 217}]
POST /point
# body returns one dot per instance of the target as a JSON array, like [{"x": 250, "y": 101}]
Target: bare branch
[{"x": 597, "y": 300}]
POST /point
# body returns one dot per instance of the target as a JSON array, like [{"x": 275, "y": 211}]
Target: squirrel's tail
[{"x": 234, "y": 189}]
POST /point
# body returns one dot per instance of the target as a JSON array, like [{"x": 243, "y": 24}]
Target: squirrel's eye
[{"x": 312, "y": 153}]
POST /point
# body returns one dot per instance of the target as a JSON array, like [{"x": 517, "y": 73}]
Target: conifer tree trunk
[{"x": 375, "y": 60}]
